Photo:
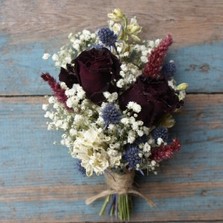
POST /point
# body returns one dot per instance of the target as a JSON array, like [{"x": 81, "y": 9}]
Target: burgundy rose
[
  {"x": 155, "y": 97},
  {"x": 96, "y": 70},
  {"x": 68, "y": 75}
]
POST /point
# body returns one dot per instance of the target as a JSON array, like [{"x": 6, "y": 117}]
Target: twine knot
[{"x": 119, "y": 184}]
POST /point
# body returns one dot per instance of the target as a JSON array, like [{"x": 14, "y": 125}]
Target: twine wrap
[{"x": 119, "y": 184}]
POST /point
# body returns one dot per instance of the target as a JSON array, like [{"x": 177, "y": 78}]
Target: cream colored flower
[
  {"x": 114, "y": 157},
  {"x": 116, "y": 28},
  {"x": 116, "y": 16},
  {"x": 97, "y": 162},
  {"x": 89, "y": 147},
  {"x": 182, "y": 86},
  {"x": 133, "y": 29}
]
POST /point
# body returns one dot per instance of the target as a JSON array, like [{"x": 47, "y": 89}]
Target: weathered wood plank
[
  {"x": 191, "y": 22},
  {"x": 200, "y": 66},
  {"x": 39, "y": 183},
  {"x": 42, "y": 26}
]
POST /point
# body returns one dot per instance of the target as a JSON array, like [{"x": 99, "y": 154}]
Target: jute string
[{"x": 119, "y": 184}]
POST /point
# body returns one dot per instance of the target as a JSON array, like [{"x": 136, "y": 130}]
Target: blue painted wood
[
  {"x": 21, "y": 66},
  {"x": 39, "y": 182},
  {"x": 200, "y": 66}
]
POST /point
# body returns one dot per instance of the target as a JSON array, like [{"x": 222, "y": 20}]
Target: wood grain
[
  {"x": 39, "y": 182},
  {"x": 42, "y": 26},
  {"x": 20, "y": 68},
  {"x": 190, "y": 22}
]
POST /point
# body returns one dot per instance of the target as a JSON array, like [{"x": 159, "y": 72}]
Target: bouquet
[{"x": 114, "y": 104}]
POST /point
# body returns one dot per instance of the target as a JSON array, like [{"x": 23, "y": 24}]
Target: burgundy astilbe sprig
[
  {"x": 156, "y": 58},
  {"x": 59, "y": 92},
  {"x": 165, "y": 151}
]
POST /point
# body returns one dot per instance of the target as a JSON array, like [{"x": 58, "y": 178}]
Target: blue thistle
[
  {"x": 169, "y": 69},
  {"x": 140, "y": 140},
  {"x": 111, "y": 114},
  {"x": 80, "y": 168},
  {"x": 160, "y": 132},
  {"x": 107, "y": 36},
  {"x": 131, "y": 156}
]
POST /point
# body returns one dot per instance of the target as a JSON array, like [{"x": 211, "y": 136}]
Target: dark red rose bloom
[
  {"x": 155, "y": 97},
  {"x": 96, "y": 71},
  {"x": 68, "y": 76}
]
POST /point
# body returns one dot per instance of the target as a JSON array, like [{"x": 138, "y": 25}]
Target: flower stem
[
  {"x": 127, "y": 206},
  {"x": 112, "y": 211},
  {"x": 124, "y": 207},
  {"x": 104, "y": 205},
  {"x": 119, "y": 206}
]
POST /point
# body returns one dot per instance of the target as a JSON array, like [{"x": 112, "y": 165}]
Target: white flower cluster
[
  {"x": 85, "y": 134},
  {"x": 82, "y": 40},
  {"x": 60, "y": 118},
  {"x": 129, "y": 72},
  {"x": 77, "y": 43},
  {"x": 134, "y": 107},
  {"x": 110, "y": 97},
  {"x": 90, "y": 147},
  {"x": 144, "y": 50},
  {"x": 133, "y": 59}
]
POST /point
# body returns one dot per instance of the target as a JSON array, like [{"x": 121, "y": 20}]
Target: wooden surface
[{"x": 38, "y": 180}]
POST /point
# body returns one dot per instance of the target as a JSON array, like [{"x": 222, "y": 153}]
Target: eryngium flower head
[
  {"x": 131, "y": 156},
  {"x": 142, "y": 139},
  {"x": 160, "y": 132},
  {"x": 111, "y": 114},
  {"x": 169, "y": 69},
  {"x": 107, "y": 36}
]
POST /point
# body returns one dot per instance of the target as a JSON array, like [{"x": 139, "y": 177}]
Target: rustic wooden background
[{"x": 38, "y": 180}]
